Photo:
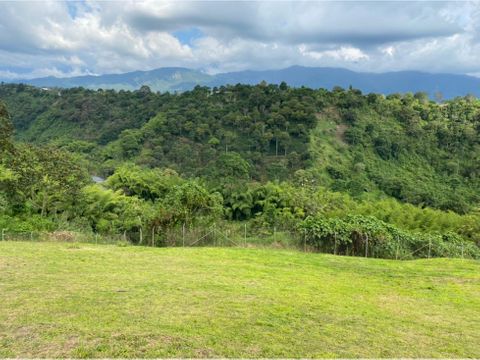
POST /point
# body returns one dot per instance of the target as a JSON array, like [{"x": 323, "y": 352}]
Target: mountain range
[{"x": 178, "y": 79}]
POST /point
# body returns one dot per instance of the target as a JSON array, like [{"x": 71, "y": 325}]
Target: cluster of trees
[
  {"x": 402, "y": 146},
  {"x": 267, "y": 125},
  {"x": 409, "y": 148},
  {"x": 272, "y": 156},
  {"x": 286, "y": 204},
  {"x": 46, "y": 188},
  {"x": 59, "y": 115}
]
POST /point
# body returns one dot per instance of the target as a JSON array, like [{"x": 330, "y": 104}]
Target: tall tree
[{"x": 6, "y": 129}]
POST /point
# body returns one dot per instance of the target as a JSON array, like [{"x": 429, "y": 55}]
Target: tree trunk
[{"x": 44, "y": 205}]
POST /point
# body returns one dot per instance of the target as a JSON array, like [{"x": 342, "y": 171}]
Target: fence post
[
  {"x": 305, "y": 241},
  {"x": 335, "y": 245},
  {"x": 3, "y": 234},
  {"x": 429, "y": 248},
  {"x": 31, "y": 235},
  {"x": 274, "y": 233},
  {"x": 153, "y": 236},
  {"x": 462, "y": 251},
  {"x": 366, "y": 246},
  {"x": 141, "y": 235},
  {"x": 398, "y": 249},
  {"x": 183, "y": 235},
  {"x": 245, "y": 237}
]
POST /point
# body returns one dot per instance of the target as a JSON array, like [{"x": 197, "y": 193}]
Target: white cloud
[
  {"x": 106, "y": 37},
  {"x": 344, "y": 53},
  {"x": 388, "y": 50}
]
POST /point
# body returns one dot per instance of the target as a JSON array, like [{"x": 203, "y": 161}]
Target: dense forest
[{"x": 338, "y": 167}]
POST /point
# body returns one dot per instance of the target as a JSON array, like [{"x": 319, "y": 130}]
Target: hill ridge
[{"x": 173, "y": 79}]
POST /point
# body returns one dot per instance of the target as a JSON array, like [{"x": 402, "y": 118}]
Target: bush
[
  {"x": 367, "y": 236},
  {"x": 27, "y": 224}
]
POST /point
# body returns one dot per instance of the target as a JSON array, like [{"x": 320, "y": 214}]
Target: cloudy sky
[{"x": 90, "y": 37}]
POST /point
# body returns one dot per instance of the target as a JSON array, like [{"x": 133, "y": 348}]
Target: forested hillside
[
  {"x": 265, "y": 153},
  {"x": 404, "y": 146}
]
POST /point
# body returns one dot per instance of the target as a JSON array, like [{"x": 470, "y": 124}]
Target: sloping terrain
[{"x": 405, "y": 147}]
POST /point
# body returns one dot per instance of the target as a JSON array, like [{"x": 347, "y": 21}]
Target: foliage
[
  {"x": 269, "y": 155},
  {"x": 402, "y": 146},
  {"x": 6, "y": 129},
  {"x": 110, "y": 211},
  {"x": 43, "y": 180},
  {"x": 147, "y": 184},
  {"x": 368, "y": 236},
  {"x": 264, "y": 125}
]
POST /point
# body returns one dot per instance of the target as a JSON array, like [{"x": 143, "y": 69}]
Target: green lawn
[{"x": 82, "y": 300}]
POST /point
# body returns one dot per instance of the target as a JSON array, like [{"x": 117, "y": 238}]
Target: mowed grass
[{"x": 83, "y": 300}]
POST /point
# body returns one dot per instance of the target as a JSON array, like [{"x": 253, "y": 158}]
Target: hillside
[
  {"x": 443, "y": 86},
  {"x": 335, "y": 171},
  {"x": 110, "y": 301},
  {"x": 162, "y": 79},
  {"x": 405, "y": 147}
]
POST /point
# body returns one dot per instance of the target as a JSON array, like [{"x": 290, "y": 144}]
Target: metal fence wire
[
  {"x": 217, "y": 235},
  {"x": 233, "y": 235},
  {"x": 189, "y": 236}
]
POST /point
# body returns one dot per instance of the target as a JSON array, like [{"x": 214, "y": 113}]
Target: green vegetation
[
  {"x": 391, "y": 177},
  {"x": 81, "y": 300},
  {"x": 368, "y": 236},
  {"x": 338, "y": 172}
]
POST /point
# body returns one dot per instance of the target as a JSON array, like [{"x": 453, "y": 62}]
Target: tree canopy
[{"x": 269, "y": 155}]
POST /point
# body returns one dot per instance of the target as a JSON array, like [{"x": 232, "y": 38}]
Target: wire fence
[
  {"x": 58, "y": 236},
  {"x": 226, "y": 235},
  {"x": 237, "y": 235}
]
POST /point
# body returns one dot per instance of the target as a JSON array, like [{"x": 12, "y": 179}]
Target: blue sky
[
  {"x": 188, "y": 35},
  {"x": 95, "y": 37}
]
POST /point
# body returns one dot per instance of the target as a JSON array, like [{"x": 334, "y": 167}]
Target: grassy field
[{"x": 79, "y": 300}]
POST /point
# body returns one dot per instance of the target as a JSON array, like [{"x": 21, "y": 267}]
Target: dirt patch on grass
[
  {"x": 57, "y": 350},
  {"x": 27, "y": 333},
  {"x": 31, "y": 341},
  {"x": 204, "y": 353},
  {"x": 62, "y": 236},
  {"x": 129, "y": 345},
  {"x": 4, "y": 265}
]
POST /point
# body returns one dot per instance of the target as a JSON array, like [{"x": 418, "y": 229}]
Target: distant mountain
[
  {"x": 163, "y": 79},
  {"x": 181, "y": 79},
  {"x": 450, "y": 85}
]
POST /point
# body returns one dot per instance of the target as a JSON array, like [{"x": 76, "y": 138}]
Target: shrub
[{"x": 368, "y": 236}]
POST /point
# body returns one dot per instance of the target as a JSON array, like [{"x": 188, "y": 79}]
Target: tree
[
  {"x": 229, "y": 167},
  {"x": 6, "y": 129},
  {"x": 46, "y": 179},
  {"x": 147, "y": 184},
  {"x": 190, "y": 201},
  {"x": 111, "y": 211}
]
